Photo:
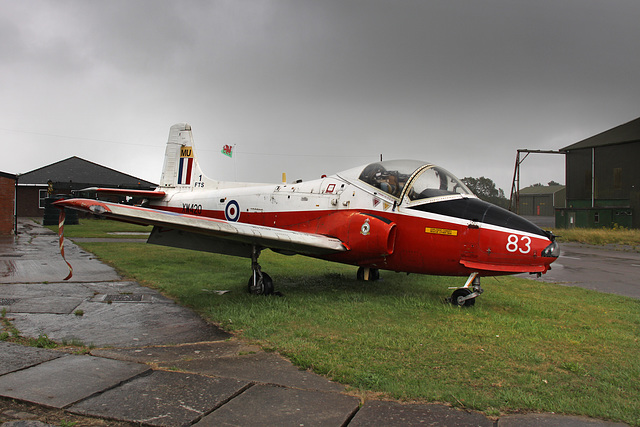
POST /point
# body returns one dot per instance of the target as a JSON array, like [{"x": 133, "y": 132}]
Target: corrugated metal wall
[{"x": 617, "y": 180}]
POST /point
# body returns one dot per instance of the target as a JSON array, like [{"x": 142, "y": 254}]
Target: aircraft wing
[
  {"x": 149, "y": 194},
  {"x": 208, "y": 234}
]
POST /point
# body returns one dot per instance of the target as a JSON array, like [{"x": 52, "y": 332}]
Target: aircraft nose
[
  {"x": 553, "y": 250},
  {"x": 514, "y": 221},
  {"x": 477, "y": 210}
]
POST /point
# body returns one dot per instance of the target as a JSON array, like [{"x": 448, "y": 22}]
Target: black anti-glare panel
[{"x": 482, "y": 212}]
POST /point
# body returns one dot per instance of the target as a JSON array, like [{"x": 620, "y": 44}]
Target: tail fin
[{"x": 181, "y": 168}]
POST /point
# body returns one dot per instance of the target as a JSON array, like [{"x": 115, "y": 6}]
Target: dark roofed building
[
  {"x": 67, "y": 176},
  {"x": 603, "y": 179}
]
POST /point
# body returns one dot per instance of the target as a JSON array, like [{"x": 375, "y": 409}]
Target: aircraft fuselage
[{"x": 448, "y": 237}]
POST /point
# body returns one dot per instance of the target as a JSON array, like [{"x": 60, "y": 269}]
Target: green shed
[{"x": 542, "y": 200}]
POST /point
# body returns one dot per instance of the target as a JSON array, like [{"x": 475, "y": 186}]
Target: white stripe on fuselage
[{"x": 308, "y": 196}]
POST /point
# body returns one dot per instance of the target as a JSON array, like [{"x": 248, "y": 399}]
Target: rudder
[{"x": 181, "y": 168}]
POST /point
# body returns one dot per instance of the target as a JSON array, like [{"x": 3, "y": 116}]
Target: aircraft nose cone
[{"x": 553, "y": 250}]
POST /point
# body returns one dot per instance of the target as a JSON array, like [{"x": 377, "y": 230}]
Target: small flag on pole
[{"x": 227, "y": 150}]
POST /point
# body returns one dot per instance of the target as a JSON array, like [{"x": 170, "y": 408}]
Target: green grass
[
  {"x": 101, "y": 228},
  {"x": 524, "y": 346},
  {"x": 600, "y": 236}
]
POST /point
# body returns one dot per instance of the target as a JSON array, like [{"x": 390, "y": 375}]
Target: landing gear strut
[
  {"x": 465, "y": 296},
  {"x": 368, "y": 274},
  {"x": 259, "y": 283}
]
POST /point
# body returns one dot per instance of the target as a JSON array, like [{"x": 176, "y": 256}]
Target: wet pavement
[
  {"x": 157, "y": 363},
  {"x": 611, "y": 268}
]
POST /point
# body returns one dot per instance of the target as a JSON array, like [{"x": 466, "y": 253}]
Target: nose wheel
[
  {"x": 462, "y": 297},
  {"x": 466, "y": 295}
]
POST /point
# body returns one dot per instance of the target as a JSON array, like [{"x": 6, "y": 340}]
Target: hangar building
[
  {"x": 65, "y": 176},
  {"x": 541, "y": 200},
  {"x": 603, "y": 180}
]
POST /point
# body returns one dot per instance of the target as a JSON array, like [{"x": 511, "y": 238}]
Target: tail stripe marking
[
  {"x": 189, "y": 169},
  {"x": 185, "y": 166},
  {"x": 180, "y": 163}
]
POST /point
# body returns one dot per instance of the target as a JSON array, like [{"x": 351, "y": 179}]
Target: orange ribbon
[{"x": 61, "y": 240}]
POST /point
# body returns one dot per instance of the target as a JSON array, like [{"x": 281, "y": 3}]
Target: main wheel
[
  {"x": 457, "y": 296},
  {"x": 374, "y": 274},
  {"x": 263, "y": 287}
]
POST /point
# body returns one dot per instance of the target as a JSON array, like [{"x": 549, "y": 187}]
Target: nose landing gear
[{"x": 465, "y": 296}]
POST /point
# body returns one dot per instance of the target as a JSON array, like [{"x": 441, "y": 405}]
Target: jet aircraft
[{"x": 398, "y": 215}]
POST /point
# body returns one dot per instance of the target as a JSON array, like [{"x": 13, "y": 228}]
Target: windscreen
[
  {"x": 436, "y": 182},
  {"x": 390, "y": 176}
]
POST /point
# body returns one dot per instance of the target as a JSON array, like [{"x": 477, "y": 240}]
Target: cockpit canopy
[{"x": 413, "y": 179}]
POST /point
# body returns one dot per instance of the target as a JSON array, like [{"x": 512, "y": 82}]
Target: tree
[{"x": 486, "y": 190}]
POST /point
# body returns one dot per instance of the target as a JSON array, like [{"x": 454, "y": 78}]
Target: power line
[
  {"x": 297, "y": 155},
  {"x": 76, "y": 137},
  {"x": 200, "y": 148}
]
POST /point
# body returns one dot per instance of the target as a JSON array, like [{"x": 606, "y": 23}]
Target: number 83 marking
[{"x": 523, "y": 244}]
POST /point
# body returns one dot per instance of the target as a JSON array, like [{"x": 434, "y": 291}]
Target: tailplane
[{"x": 181, "y": 168}]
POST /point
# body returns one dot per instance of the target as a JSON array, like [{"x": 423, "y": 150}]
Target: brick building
[{"x": 7, "y": 203}]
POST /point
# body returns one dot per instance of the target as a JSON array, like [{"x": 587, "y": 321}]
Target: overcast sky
[{"x": 311, "y": 87}]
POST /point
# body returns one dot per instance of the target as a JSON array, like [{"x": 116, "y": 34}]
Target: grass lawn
[
  {"x": 524, "y": 346},
  {"x": 600, "y": 236},
  {"x": 97, "y": 228}
]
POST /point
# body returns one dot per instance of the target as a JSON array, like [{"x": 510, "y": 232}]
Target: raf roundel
[
  {"x": 232, "y": 211},
  {"x": 366, "y": 228}
]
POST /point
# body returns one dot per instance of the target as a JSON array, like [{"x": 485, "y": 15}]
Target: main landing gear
[
  {"x": 259, "y": 283},
  {"x": 368, "y": 274},
  {"x": 465, "y": 297}
]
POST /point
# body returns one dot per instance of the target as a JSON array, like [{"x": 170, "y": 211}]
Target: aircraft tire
[
  {"x": 460, "y": 293},
  {"x": 264, "y": 286},
  {"x": 374, "y": 274}
]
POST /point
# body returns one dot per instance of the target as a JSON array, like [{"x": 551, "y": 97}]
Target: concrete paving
[
  {"x": 160, "y": 364},
  {"x": 266, "y": 404},
  {"x": 392, "y": 414},
  {"x": 62, "y": 381},
  {"x": 34, "y": 258},
  {"x": 163, "y": 398},
  {"x": 15, "y": 357},
  {"x": 551, "y": 420}
]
